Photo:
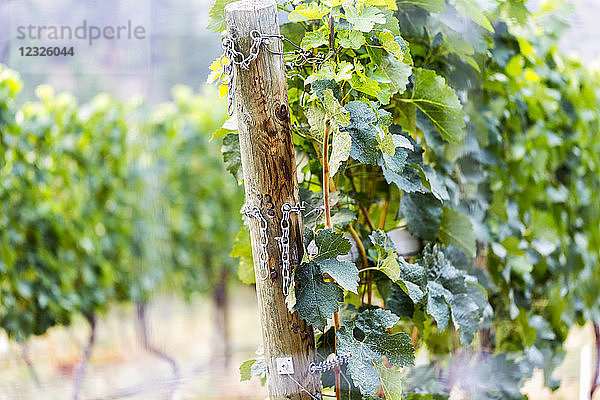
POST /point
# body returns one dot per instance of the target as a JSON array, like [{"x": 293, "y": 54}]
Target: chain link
[
  {"x": 231, "y": 57},
  {"x": 284, "y": 242},
  {"x": 254, "y": 212},
  {"x": 328, "y": 365}
]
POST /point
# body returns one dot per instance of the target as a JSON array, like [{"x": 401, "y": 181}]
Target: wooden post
[{"x": 269, "y": 168}]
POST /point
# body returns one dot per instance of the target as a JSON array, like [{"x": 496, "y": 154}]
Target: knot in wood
[
  {"x": 273, "y": 274},
  {"x": 247, "y": 118},
  {"x": 232, "y": 32},
  {"x": 281, "y": 112}
]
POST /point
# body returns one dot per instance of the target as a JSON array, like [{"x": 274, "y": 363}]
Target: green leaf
[
  {"x": 318, "y": 86},
  {"x": 433, "y": 6},
  {"x": 437, "y": 306},
  {"x": 391, "y": 382},
  {"x": 371, "y": 344},
  {"x": 344, "y": 273},
  {"x": 439, "y": 103},
  {"x": 216, "y": 15},
  {"x": 398, "y": 73},
  {"x": 452, "y": 294},
  {"x": 341, "y": 146},
  {"x": 317, "y": 119},
  {"x": 466, "y": 316},
  {"x": 366, "y": 84},
  {"x": 365, "y": 144},
  {"x": 391, "y": 22},
  {"x": 242, "y": 248},
  {"x": 231, "y": 156},
  {"x": 230, "y": 126},
  {"x": 250, "y": 368},
  {"x": 364, "y": 20},
  {"x": 305, "y": 12},
  {"x": 245, "y": 370},
  {"x": 312, "y": 40},
  {"x": 436, "y": 183},
  {"x": 337, "y": 114},
  {"x": 316, "y": 300},
  {"x": 456, "y": 229},
  {"x": 412, "y": 280},
  {"x": 387, "y": 258},
  {"x": 394, "y": 45},
  {"x": 423, "y": 214},
  {"x": 472, "y": 10},
  {"x": 396, "y": 171},
  {"x": 386, "y": 145},
  {"x": 331, "y": 245},
  {"x": 351, "y": 39},
  {"x": 343, "y": 217}
]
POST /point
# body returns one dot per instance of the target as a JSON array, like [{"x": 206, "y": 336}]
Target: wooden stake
[{"x": 269, "y": 168}]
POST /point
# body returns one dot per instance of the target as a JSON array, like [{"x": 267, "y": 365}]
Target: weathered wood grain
[{"x": 269, "y": 168}]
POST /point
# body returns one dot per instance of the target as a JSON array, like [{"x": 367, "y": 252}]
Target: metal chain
[
  {"x": 232, "y": 57},
  {"x": 327, "y": 365},
  {"x": 254, "y": 212},
  {"x": 284, "y": 243}
]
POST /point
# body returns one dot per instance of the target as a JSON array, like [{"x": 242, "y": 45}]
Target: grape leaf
[
  {"x": 316, "y": 300},
  {"x": 363, "y": 20},
  {"x": 315, "y": 39},
  {"x": 318, "y": 86},
  {"x": 341, "y": 146},
  {"x": 423, "y": 214},
  {"x": 433, "y": 6},
  {"x": 387, "y": 258},
  {"x": 456, "y": 229},
  {"x": 386, "y": 144},
  {"x": 410, "y": 277},
  {"x": 365, "y": 146},
  {"x": 317, "y": 118},
  {"x": 396, "y": 171},
  {"x": 439, "y": 103},
  {"x": 335, "y": 111},
  {"x": 451, "y": 294},
  {"x": 351, "y": 39},
  {"x": 394, "y": 45},
  {"x": 231, "y": 156},
  {"x": 331, "y": 245},
  {"x": 371, "y": 344},
  {"x": 216, "y": 15},
  {"x": 474, "y": 12},
  {"x": 305, "y": 12},
  {"x": 391, "y": 382},
  {"x": 412, "y": 280},
  {"x": 436, "y": 183},
  {"x": 242, "y": 248},
  {"x": 398, "y": 73},
  {"x": 254, "y": 367}
]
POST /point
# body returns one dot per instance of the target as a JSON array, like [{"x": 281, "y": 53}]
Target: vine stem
[
  {"x": 384, "y": 212},
  {"x": 85, "y": 357},
  {"x": 359, "y": 245},
  {"x": 370, "y": 269},
  {"x": 360, "y": 205},
  {"x": 326, "y": 175},
  {"x": 336, "y": 317},
  {"x": 142, "y": 319},
  {"x": 27, "y": 360}
]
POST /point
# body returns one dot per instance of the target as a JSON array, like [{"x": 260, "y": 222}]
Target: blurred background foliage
[{"x": 108, "y": 201}]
